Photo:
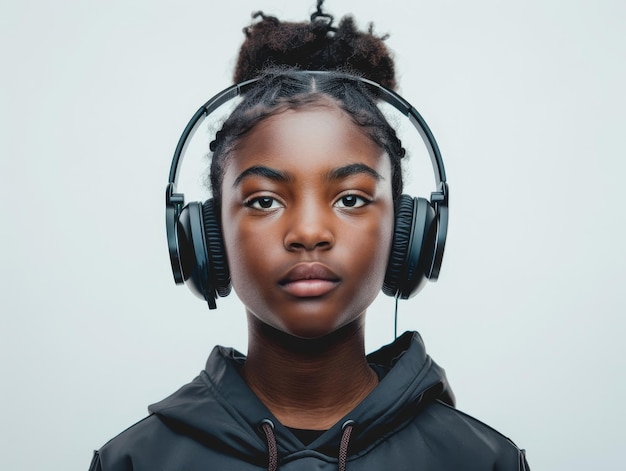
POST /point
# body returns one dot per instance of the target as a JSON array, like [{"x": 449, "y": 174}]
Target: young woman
[{"x": 307, "y": 191}]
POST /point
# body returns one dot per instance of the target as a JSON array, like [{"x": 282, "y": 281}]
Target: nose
[{"x": 309, "y": 229}]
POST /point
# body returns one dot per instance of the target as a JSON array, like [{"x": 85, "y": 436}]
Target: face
[{"x": 307, "y": 220}]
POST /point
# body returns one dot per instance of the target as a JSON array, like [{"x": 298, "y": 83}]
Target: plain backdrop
[{"x": 527, "y": 102}]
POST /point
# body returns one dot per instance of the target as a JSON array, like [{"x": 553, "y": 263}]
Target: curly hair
[
  {"x": 316, "y": 45},
  {"x": 279, "y": 53}
]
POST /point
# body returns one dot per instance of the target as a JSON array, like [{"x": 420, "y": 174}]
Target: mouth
[{"x": 309, "y": 280}]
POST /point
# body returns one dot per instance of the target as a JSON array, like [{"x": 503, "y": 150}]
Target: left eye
[
  {"x": 263, "y": 203},
  {"x": 351, "y": 201}
]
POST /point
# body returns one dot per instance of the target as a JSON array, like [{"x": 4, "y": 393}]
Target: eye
[
  {"x": 262, "y": 203},
  {"x": 352, "y": 201}
]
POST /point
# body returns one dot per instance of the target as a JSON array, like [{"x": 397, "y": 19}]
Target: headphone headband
[{"x": 388, "y": 96}]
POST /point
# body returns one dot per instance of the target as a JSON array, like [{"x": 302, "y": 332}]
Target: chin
[{"x": 311, "y": 319}]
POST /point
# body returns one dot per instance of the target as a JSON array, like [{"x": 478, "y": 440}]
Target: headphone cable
[{"x": 395, "y": 320}]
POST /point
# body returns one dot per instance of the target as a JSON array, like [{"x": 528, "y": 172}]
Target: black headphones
[{"x": 194, "y": 236}]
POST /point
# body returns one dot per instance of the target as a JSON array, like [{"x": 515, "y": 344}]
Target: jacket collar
[{"x": 218, "y": 407}]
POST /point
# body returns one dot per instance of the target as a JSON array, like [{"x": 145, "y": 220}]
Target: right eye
[{"x": 262, "y": 203}]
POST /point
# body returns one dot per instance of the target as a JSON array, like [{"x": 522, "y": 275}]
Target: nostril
[
  {"x": 324, "y": 245},
  {"x": 308, "y": 238}
]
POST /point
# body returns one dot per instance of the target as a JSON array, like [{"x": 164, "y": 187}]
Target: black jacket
[{"x": 407, "y": 423}]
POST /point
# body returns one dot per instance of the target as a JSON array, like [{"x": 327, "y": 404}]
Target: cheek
[
  {"x": 250, "y": 254},
  {"x": 383, "y": 246},
  {"x": 369, "y": 249},
  {"x": 240, "y": 242}
]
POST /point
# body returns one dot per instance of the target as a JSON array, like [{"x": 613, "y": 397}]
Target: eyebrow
[
  {"x": 279, "y": 176},
  {"x": 262, "y": 171},
  {"x": 353, "y": 169}
]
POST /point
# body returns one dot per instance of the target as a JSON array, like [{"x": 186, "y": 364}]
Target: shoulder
[
  {"x": 469, "y": 438},
  {"x": 144, "y": 437}
]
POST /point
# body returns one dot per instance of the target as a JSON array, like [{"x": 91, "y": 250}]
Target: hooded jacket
[{"x": 408, "y": 422}]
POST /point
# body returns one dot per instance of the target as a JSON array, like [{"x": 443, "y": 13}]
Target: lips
[{"x": 307, "y": 280}]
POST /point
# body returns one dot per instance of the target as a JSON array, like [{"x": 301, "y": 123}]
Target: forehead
[{"x": 310, "y": 140}]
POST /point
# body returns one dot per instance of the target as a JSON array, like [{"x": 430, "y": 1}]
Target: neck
[{"x": 308, "y": 384}]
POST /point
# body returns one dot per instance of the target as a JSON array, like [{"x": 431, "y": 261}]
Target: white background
[{"x": 526, "y": 100}]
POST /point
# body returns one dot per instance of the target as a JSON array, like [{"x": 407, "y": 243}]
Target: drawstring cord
[
  {"x": 272, "y": 449},
  {"x": 347, "y": 427}
]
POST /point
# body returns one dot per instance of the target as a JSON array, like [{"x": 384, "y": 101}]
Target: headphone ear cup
[
  {"x": 399, "y": 247},
  {"x": 218, "y": 266},
  {"x": 202, "y": 257},
  {"x": 194, "y": 261},
  {"x": 413, "y": 244}
]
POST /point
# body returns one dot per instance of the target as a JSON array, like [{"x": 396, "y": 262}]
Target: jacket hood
[{"x": 218, "y": 408}]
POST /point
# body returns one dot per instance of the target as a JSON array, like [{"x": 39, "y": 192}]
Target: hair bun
[{"x": 314, "y": 45}]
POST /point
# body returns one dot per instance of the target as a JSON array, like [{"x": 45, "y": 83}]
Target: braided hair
[{"x": 278, "y": 52}]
